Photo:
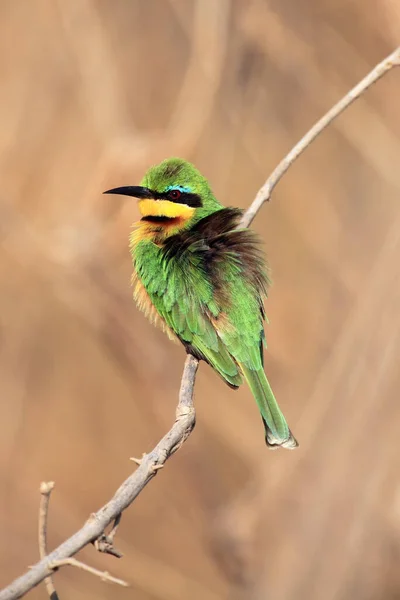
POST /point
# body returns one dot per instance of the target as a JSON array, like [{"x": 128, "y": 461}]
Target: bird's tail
[{"x": 277, "y": 432}]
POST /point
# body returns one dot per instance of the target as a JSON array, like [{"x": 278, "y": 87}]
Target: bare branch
[
  {"x": 94, "y": 528},
  {"x": 264, "y": 193},
  {"x": 93, "y": 531},
  {"x": 104, "y": 576}
]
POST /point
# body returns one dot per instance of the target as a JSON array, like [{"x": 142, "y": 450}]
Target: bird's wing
[{"x": 183, "y": 296}]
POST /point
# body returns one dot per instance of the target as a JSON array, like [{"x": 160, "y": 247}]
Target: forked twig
[{"x": 45, "y": 490}]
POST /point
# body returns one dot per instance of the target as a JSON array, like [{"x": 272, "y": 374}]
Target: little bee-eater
[{"x": 203, "y": 279}]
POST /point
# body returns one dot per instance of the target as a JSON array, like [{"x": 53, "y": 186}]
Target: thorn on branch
[
  {"x": 138, "y": 461},
  {"x": 152, "y": 468},
  {"x": 156, "y": 468}
]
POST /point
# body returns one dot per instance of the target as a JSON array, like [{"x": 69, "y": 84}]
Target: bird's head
[{"x": 172, "y": 195}]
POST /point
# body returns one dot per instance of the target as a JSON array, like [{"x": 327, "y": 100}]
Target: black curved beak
[{"x": 136, "y": 191}]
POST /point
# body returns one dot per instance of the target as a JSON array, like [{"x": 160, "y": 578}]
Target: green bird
[{"x": 203, "y": 279}]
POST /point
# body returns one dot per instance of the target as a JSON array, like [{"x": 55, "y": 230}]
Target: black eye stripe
[{"x": 187, "y": 198}]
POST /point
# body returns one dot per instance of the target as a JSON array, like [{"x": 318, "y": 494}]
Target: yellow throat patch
[{"x": 165, "y": 208}]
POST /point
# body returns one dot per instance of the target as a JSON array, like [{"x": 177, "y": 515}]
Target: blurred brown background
[{"x": 93, "y": 92}]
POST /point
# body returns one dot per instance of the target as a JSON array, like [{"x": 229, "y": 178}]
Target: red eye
[{"x": 174, "y": 194}]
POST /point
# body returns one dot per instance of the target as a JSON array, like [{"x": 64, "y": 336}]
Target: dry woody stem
[{"x": 93, "y": 531}]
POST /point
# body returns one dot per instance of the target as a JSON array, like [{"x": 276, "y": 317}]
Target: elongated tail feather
[{"x": 277, "y": 432}]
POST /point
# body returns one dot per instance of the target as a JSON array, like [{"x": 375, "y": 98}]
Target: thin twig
[
  {"x": 149, "y": 465},
  {"x": 45, "y": 490},
  {"x": 124, "y": 496},
  {"x": 104, "y": 575},
  {"x": 264, "y": 193},
  {"x": 105, "y": 543},
  {"x": 115, "y": 526}
]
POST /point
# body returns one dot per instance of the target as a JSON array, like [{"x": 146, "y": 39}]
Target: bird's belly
[{"x": 144, "y": 303}]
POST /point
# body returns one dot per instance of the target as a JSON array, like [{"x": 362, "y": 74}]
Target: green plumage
[{"x": 207, "y": 280}]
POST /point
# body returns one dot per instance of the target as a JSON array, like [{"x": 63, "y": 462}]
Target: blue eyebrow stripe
[{"x": 180, "y": 188}]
